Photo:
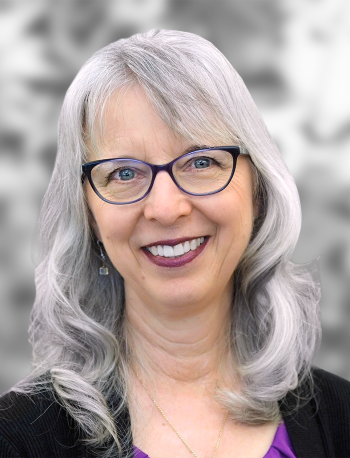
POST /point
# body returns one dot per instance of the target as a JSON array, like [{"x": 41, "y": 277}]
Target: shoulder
[
  {"x": 332, "y": 388},
  {"x": 332, "y": 400},
  {"x": 36, "y": 426},
  {"x": 317, "y": 416}
]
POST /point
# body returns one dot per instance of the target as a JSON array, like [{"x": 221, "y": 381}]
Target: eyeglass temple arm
[{"x": 244, "y": 150}]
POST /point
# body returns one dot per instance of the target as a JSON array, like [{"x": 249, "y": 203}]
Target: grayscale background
[{"x": 294, "y": 56}]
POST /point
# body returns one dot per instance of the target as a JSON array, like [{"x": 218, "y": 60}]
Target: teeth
[
  {"x": 167, "y": 251},
  {"x": 154, "y": 250},
  {"x": 179, "y": 250}
]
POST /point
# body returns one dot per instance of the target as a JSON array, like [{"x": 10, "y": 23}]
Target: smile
[
  {"x": 167, "y": 251},
  {"x": 175, "y": 253}
]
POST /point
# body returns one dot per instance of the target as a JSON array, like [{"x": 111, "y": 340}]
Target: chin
[{"x": 178, "y": 298}]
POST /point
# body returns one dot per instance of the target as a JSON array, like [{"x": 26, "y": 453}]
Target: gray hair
[{"x": 78, "y": 329}]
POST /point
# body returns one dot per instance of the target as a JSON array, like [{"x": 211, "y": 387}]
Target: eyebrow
[
  {"x": 190, "y": 149},
  {"x": 195, "y": 148}
]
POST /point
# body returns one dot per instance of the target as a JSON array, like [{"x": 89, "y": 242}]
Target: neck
[{"x": 185, "y": 347}]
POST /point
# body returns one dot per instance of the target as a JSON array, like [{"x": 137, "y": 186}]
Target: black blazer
[{"x": 37, "y": 427}]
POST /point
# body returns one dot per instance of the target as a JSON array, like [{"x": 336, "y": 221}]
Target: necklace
[{"x": 173, "y": 427}]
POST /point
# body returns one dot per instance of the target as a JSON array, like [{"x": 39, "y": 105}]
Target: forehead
[{"x": 131, "y": 127}]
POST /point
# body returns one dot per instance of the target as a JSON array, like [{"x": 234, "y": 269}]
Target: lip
[{"x": 174, "y": 262}]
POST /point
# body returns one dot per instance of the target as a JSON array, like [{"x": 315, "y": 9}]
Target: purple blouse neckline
[{"x": 281, "y": 446}]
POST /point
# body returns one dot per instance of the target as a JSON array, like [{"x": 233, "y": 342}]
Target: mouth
[
  {"x": 171, "y": 251},
  {"x": 175, "y": 253}
]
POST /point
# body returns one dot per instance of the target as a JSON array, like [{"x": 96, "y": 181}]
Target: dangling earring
[{"x": 103, "y": 269}]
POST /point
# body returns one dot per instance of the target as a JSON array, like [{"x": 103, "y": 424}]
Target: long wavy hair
[{"x": 78, "y": 327}]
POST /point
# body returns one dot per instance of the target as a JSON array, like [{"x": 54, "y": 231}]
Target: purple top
[{"x": 281, "y": 446}]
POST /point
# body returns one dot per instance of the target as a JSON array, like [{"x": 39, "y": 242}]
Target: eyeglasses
[{"x": 198, "y": 173}]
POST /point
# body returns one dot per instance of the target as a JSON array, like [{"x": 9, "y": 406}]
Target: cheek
[
  {"x": 235, "y": 211},
  {"x": 104, "y": 218},
  {"x": 242, "y": 203},
  {"x": 116, "y": 226},
  {"x": 236, "y": 226},
  {"x": 114, "y": 230},
  {"x": 233, "y": 216}
]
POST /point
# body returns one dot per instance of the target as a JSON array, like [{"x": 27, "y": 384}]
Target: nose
[{"x": 166, "y": 202}]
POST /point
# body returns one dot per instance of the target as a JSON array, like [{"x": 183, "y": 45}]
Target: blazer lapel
[{"x": 304, "y": 431}]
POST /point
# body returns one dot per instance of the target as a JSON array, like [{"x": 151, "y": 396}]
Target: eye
[
  {"x": 122, "y": 174},
  {"x": 202, "y": 163},
  {"x": 126, "y": 174}
]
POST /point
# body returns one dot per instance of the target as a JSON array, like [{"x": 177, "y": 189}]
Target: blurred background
[{"x": 292, "y": 54}]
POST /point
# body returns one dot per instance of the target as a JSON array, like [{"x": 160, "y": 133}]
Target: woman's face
[{"x": 168, "y": 216}]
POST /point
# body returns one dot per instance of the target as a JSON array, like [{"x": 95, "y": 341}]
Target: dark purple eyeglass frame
[{"x": 235, "y": 151}]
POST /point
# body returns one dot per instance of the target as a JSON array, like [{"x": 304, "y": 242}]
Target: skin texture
[
  {"x": 135, "y": 130},
  {"x": 177, "y": 316}
]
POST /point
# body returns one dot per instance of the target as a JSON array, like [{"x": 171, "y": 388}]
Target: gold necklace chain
[{"x": 173, "y": 427}]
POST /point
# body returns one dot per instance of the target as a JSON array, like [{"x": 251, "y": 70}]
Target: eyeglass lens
[{"x": 199, "y": 173}]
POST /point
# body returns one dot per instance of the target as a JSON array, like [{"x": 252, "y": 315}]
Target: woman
[{"x": 169, "y": 320}]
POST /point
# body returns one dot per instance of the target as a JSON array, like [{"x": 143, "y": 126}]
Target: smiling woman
[
  {"x": 169, "y": 317},
  {"x": 167, "y": 216}
]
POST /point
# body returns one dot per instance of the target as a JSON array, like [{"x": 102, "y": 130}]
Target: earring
[{"x": 103, "y": 269}]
